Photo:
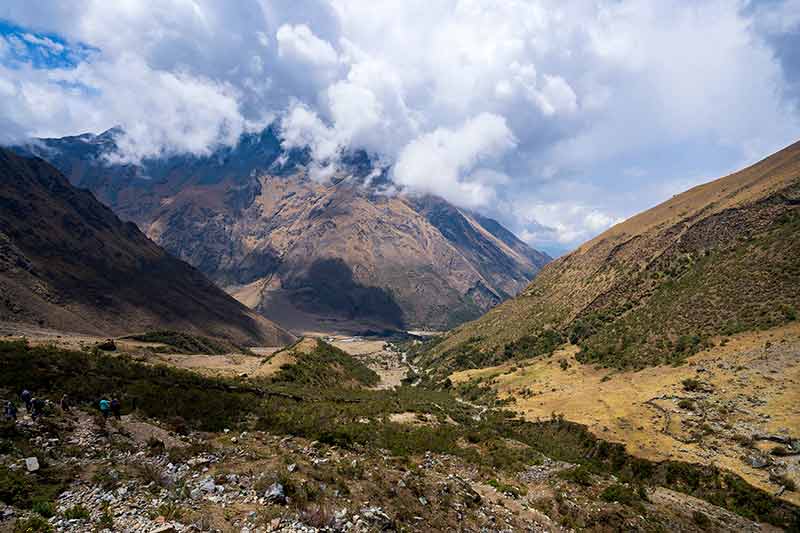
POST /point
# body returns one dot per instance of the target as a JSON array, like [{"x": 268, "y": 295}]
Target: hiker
[
  {"x": 64, "y": 403},
  {"x": 26, "y": 399},
  {"x": 105, "y": 407},
  {"x": 37, "y": 408},
  {"x": 10, "y": 411},
  {"x": 116, "y": 408}
]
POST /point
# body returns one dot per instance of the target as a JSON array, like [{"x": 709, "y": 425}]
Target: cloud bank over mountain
[{"x": 559, "y": 118}]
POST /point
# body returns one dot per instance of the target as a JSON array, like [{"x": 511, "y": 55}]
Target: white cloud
[
  {"x": 298, "y": 43},
  {"x": 449, "y": 162},
  {"x": 185, "y": 113},
  {"x": 563, "y": 223},
  {"x": 585, "y": 91},
  {"x": 44, "y": 42}
]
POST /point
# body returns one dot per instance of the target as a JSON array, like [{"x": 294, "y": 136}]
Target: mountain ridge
[
  {"x": 243, "y": 217},
  {"x": 69, "y": 263}
]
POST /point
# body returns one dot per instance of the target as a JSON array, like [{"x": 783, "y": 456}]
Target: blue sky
[
  {"x": 559, "y": 118},
  {"x": 41, "y": 50}
]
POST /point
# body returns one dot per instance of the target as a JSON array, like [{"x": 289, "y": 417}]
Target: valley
[
  {"x": 294, "y": 355},
  {"x": 312, "y": 438}
]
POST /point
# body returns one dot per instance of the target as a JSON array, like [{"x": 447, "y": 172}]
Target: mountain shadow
[{"x": 329, "y": 286}]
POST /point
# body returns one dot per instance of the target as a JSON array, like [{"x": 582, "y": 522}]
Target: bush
[
  {"x": 170, "y": 511},
  {"x": 692, "y": 385},
  {"x": 784, "y": 481},
  {"x": 34, "y": 524},
  {"x": 44, "y": 508},
  {"x": 77, "y": 512},
  {"x": 621, "y": 494},
  {"x": 190, "y": 344},
  {"x": 579, "y": 475},
  {"x": 106, "y": 477},
  {"x": 326, "y": 366},
  {"x": 686, "y": 404},
  {"x": 205, "y": 403},
  {"x": 106, "y": 520},
  {"x": 701, "y": 519},
  {"x": 155, "y": 446},
  {"x": 21, "y": 490},
  {"x": 504, "y": 488}
]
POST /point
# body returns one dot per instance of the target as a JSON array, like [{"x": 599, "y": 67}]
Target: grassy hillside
[
  {"x": 716, "y": 260},
  {"x": 494, "y": 442},
  {"x": 325, "y": 366}
]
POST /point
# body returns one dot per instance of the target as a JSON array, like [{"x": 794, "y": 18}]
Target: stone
[
  {"x": 166, "y": 528},
  {"x": 757, "y": 461},
  {"x": 292, "y": 467},
  {"x": 275, "y": 494},
  {"x": 32, "y": 464},
  {"x": 209, "y": 487},
  {"x": 375, "y": 515}
]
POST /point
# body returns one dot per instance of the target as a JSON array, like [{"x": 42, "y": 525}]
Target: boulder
[
  {"x": 275, "y": 494},
  {"x": 32, "y": 464},
  {"x": 107, "y": 346}
]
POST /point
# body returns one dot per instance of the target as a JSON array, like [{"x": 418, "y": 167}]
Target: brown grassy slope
[
  {"x": 748, "y": 393},
  {"x": 719, "y": 258},
  {"x": 67, "y": 262}
]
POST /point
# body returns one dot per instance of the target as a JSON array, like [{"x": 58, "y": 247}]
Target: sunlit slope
[{"x": 720, "y": 258}]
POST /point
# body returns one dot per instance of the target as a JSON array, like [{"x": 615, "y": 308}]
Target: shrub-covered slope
[{"x": 717, "y": 259}]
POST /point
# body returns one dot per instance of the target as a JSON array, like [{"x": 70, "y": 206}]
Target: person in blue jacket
[{"x": 105, "y": 407}]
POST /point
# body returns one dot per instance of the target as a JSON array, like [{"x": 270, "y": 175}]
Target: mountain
[
  {"x": 67, "y": 262},
  {"x": 346, "y": 254},
  {"x": 721, "y": 258}
]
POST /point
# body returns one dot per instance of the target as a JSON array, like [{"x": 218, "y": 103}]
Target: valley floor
[{"x": 735, "y": 406}]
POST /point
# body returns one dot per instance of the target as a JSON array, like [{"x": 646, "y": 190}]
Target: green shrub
[
  {"x": 686, "y": 404},
  {"x": 106, "y": 520},
  {"x": 784, "y": 481},
  {"x": 44, "y": 508},
  {"x": 504, "y": 488},
  {"x": 170, "y": 511},
  {"x": 76, "y": 512},
  {"x": 34, "y": 524},
  {"x": 205, "y": 403},
  {"x": 701, "y": 519},
  {"x": 190, "y": 344},
  {"x": 621, "y": 494},
  {"x": 22, "y": 490},
  {"x": 579, "y": 475},
  {"x": 692, "y": 385}
]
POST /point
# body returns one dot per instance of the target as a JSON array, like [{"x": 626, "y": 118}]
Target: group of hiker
[
  {"x": 111, "y": 407},
  {"x": 35, "y": 406}
]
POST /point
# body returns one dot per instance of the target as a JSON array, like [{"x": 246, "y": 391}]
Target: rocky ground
[
  {"x": 135, "y": 476},
  {"x": 145, "y": 475}
]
